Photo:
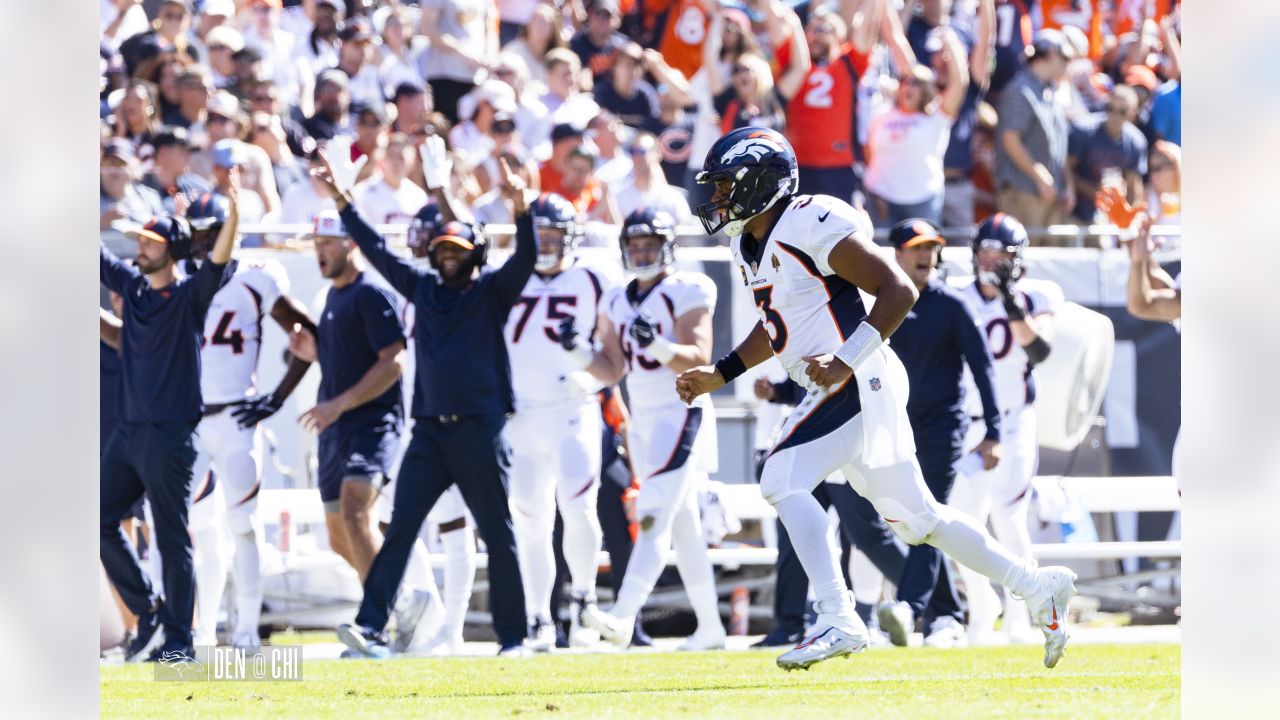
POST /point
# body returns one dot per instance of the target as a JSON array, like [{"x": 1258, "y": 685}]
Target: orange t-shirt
[
  {"x": 821, "y": 123},
  {"x": 550, "y": 181},
  {"x": 683, "y": 33}
]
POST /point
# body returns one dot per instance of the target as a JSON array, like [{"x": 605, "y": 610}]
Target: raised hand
[
  {"x": 1112, "y": 202},
  {"x": 436, "y": 165},
  {"x": 512, "y": 187},
  {"x": 337, "y": 158}
]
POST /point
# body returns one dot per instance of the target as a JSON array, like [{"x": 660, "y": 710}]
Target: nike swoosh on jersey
[{"x": 823, "y": 217}]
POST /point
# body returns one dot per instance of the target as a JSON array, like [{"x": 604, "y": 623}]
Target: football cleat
[
  {"x": 830, "y": 637},
  {"x": 705, "y": 638},
  {"x": 249, "y": 641},
  {"x": 897, "y": 620},
  {"x": 579, "y": 634},
  {"x": 364, "y": 641},
  {"x": 543, "y": 636},
  {"x": 945, "y": 632},
  {"x": 515, "y": 651},
  {"x": 1048, "y": 605},
  {"x": 444, "y": 644},
  {"x": 148, "y": 638},
  {"x": 419, "y": 610},
  {"x": 615, "y": 630}
]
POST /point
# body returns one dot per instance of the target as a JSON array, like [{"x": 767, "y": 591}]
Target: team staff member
[
  {"x": 937, "y": 337},
  {"x": 461, "y": 400},
  {"x": 154, "y": 449}
]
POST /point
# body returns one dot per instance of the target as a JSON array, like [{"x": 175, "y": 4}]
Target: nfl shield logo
[{"x": 875, "y": 384}]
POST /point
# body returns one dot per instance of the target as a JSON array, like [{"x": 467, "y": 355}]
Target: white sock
[
  {"x": 868, "y": 581},
  {"x": 537, "y": 560},
  {"x": 459, "y": 576},
  {"x": 211, "y": 580},
  {"x": 695, "y": 567},
  {"x": 969, "y": 544},
  {"x": 418, "y": 574},
  {"x": 582, "y": 539},
  {"x": 246, "y": 568},
  {"x": 806, "y": 525}
]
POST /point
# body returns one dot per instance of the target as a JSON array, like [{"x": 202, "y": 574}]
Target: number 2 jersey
[
  {"x": 649, "y": 382},
  {"x": 539, "y": 364},
  {"x": 804, "y": 306},
  {"x": 232, "y": 336},
  {"x": 1015, "y": 382}
]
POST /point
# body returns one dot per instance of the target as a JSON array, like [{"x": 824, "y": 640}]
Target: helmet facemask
[
  {"x": 991, "y": 277},
  {"x": 666, "y": 252},
  {"x": 755, "y": 189},
  {"x": 569, "y": 237}
]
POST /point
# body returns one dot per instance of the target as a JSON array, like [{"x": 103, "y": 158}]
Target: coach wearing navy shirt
[
  {"x": 937, "y": 337},
  {"x": 462, "y": 396},
  {"x": 153, "y": 449},
  {"x": 359, "y": 344}
]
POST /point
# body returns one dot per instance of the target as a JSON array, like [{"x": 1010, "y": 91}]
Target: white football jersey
[
  {"x": 233, "y": 330},
  {"x": 539, "y": 364},
  {"x": 1015, "y": 380},
  {"x": 381, "y": 204},
  {"x": 805, "y": 307},
  {"x": 649, "y": 382}
]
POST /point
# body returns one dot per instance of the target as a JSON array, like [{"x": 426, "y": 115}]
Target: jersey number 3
[{"x": 775, "y": 325}]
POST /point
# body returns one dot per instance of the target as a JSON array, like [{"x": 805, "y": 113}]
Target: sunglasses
[
  {"x": 739, "y": 69},
  {"x": 369, "y": 122},
  {"x": 1117, "y": 111},
  {"x": 173, "y": 16},
  {"x": 262, "y": 99},
  {"x": 1160, "y": 167},
  {"x": 504, "y": 128}
]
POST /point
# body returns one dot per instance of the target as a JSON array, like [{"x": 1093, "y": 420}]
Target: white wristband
[
  {"x": 662, "y": 350},
  {"x": 582, "y": 354},
  {"x": 861, "y": 345}
]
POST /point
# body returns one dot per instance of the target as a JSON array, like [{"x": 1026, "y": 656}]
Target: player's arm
[
  {"x": 437, "y": 168},
  {"x": 752, "y": 351},
  {"x": 977, "y": 353},
  {"x": 514, "y": 274},
  {"x": 376, "y": 381},
  {"x": 607, "y": 364},
  {"x": 226, "y": 240},
  {"x": 109, "y": 328},
  {"x": 291, "y": 316},
  {"x": 1151, "y": 292}
]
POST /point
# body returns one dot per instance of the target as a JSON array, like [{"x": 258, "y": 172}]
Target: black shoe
[
  {"x": 363, "y": 640},
  {"x": 778, "y": 637},
  {"x": 640, "y": 638},
  {"x": 149, "y": 637}
]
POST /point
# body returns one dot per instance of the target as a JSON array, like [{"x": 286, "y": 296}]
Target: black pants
[
  {"x": 926, "y": 582},
  {"x": 861, "y": 526},
  {"x": 156, "y": 459},
  {"x": 472, "y": 453},
  {"x": 446, "y": 93}
]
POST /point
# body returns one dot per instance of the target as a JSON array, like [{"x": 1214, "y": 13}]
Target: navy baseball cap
[
  {"x": 161, "y": 229},
  {"x": 912, "y": 232},
  {"x": 563, "y": 131},
  {"x": 455, "y": 232}
]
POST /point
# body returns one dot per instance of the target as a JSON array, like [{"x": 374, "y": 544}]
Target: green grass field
[{"x": 1092, "y": 681}]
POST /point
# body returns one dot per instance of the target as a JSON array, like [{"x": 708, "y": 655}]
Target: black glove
[
  {"x": 256, "y": 410},
  {"x": 1004, "y": 283},
  {"x": 644, "y": 329},
  {"x": 568, "y": 333}
]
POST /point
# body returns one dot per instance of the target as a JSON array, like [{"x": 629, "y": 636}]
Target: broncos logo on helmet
[{"x": 761, "y": 167}]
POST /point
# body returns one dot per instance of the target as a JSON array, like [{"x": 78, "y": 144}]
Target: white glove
[
  {"x": 345, "y": 171},
  {"x": 436, "y": 165}
]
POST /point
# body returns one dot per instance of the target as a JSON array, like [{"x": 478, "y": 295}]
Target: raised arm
[
  {"x": 980, "y": 58},
  {"x": 790, "y": 82},
  {"x": 953, "y": 59},
  {"x": 711, "y": 51},
  {"x": 890, "y": 27},
  {"x": 436, "y": 170},
  {"x": 109, "y": 328},
  {"x": 1152, "y": 294},
  {"x": 865, "y": 27},
  {"x": 514, "y": 274},
  {"x": 114, "y": 272}
]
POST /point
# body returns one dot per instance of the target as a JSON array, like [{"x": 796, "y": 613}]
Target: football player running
[
  {"x": 555, "y": 432},
  {"x": 1017, "y": 315},
  {"x": 805, "y": 258},
  {"x": 659, "y": 324},
  {"x": 228, "y": 437}
]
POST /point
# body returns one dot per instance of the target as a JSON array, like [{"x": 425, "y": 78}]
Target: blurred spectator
[
  {"x": 303, "y": 201},
  {"x": 372, "y": 127},
  {"x": 613, "y": 163},
  {"x": 169, "y": 174},
  {"x": 263, "y": 33},
  {"x": 464, "y": 40},
  {"x": 388, "y": 196},
  {"x": 413, "y": 105},
  {"x": 983, "y": 172},
  {"x": 648, "y": 186},
  {"x": 1164, "y": 194},
  {"x": 598, "y": 42},
  {"x": 530, "y": 115},
  {"x": 683, "y": 34},
  {"x": 503, "y": 136},
  {"x": 535, "y": 38},
  {"x": 332, "y": 104},
  {"x": 122, "y": 199},
  {"x": 1013, "y": 39},
  {"x": 265, "y": 98},
  {"x": 318, "y": 48},
  {"x": 746, "y": 97},
  {"x": 1031, "y": 147},
  {"x": 249, "y": 71},
  {"x": 396, "y": 57},
  {"x": 194, "y": 90},
  {"x": 923, "y": 34},
  {"x": 267, "y": 132},
  {"x": 164, "y": 75},
  {"x": 563, "y": 101},
  {"x": 173, "y": 23},
  {"x": 356, "y": 59},
  {"x": 492, "y": 207},
  {"x": 579, "y": 186},
  {"x": 122, "y": 19},
  {"x": 728, "y": 39},
  {"x": 564, "y": 139},
  {"x": 470, "y": 138},
  {"x": 230, "y": 154},
  {"x": 625, "y": 93},
  {"x": 1166, "y": 112},
  {"x": 213, "y": 13},
  {"x": 137, "y": 119},
  {"x": 676, "y": 139},
  {"x": 223, "y": 120},
  {"x": 907, "y": 141},
  {"x": 1108, "y": 146},
  {"x": 223, "y": 42}
]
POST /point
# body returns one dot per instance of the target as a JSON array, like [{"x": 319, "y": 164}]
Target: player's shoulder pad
[
  {"x": 692, "y": 290},
  {"x": 1043, "y": 296}
]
